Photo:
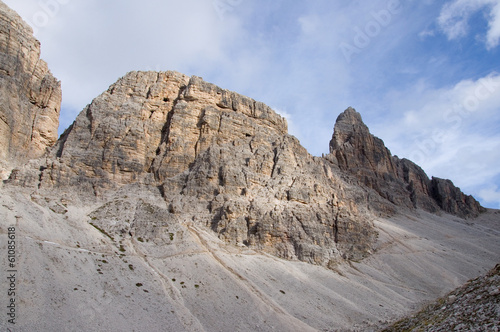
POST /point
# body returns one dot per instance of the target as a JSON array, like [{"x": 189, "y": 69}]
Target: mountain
[
  {"x": 173, "y": 202},
  {"x": 400, "y": 181}
]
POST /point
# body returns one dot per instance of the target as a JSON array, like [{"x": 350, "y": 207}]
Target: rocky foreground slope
[
  {"x": 171, "y": 202},
  {"x": 472, "y": 307}
]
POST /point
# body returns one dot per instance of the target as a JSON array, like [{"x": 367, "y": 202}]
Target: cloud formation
[
  {"x": 455, "y": 16},
  {"x": 453, "y": 132}
]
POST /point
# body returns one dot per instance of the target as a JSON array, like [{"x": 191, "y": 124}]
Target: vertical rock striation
[{"x": 30, "y": 97}]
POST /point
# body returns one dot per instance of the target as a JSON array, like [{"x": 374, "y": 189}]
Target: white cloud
[
  {"x": 309, "y": 24},
  {"x": 90, "y": 44},
  {"x": 491, "y": 195},
  {"x": 493, "y": 36},
  {"x": 451, "y": 132},
  {"x": 454, "y": 19},
  {"x": 292, "y": 127},
  {"x": 426, "y": 33}
]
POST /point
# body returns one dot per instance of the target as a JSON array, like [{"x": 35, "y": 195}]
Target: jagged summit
[
  {"x": 349, "y": 117},
  {"x": 400, "y": 181},
  {"x": 354, "y": 146}
]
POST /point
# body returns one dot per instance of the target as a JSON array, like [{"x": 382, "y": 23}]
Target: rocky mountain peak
[
  {"x": 174, "y": 198},
  {"x": 349, "y": 118},
  {"x": 357, "y": 150},
  {"x": 400, "y": 181}
]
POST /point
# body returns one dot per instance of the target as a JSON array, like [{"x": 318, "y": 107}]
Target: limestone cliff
[
  {"x": 30, "y": 97},
  {"x": 220, "y": 159},
  {"x": 156, "y": 123},
  {"x": 400, "y": 181}
]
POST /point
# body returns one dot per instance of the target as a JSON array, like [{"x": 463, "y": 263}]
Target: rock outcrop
[
  {"x": 156, "y": 123},
  {"x": 452, "y": 200},
  {"x": 30, "y": 97},
  {"x": 220, "y": 159},
  {"x": 355, "y": 150},
  {"x": 168, "y": 191}
]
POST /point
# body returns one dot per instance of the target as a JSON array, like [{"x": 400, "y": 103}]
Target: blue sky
[{"x": 425, "y": 75}]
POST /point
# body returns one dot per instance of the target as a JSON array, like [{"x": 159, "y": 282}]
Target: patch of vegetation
[
  {"x": 282, "y": 291},
  {"x": 102, "y": 231},
  {"x": 140, "y": 239},
  {"x": 171, "y": 236},
  {"x": 196, "y": 286},
  {"x": 173, "y": 279},
  {"x": 138, "y": 284},
  {"x": 131, "y": 267},
  {"x": 122, "y": 249}
]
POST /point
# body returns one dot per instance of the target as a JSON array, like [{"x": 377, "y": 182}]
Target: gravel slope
[
  {"x": 473, "y": 307},
  {"x": 74, "y": 277}
]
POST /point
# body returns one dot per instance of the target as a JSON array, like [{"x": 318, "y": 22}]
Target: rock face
[
  {"x": 452, "y": 200},
  {"x": 30, "y": 97},
  {"x": 168, "y": 191},
  {"x": 400, "y": 181},
  {"x": 220, "y": 159},
  {"x": 226, "y": 161},
  {"x": 157, "y": 123}
]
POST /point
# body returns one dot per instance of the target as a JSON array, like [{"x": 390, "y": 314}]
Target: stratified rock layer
[
  {"x": 30, "y": 97},
  {"x": 400, "y": 181}
]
